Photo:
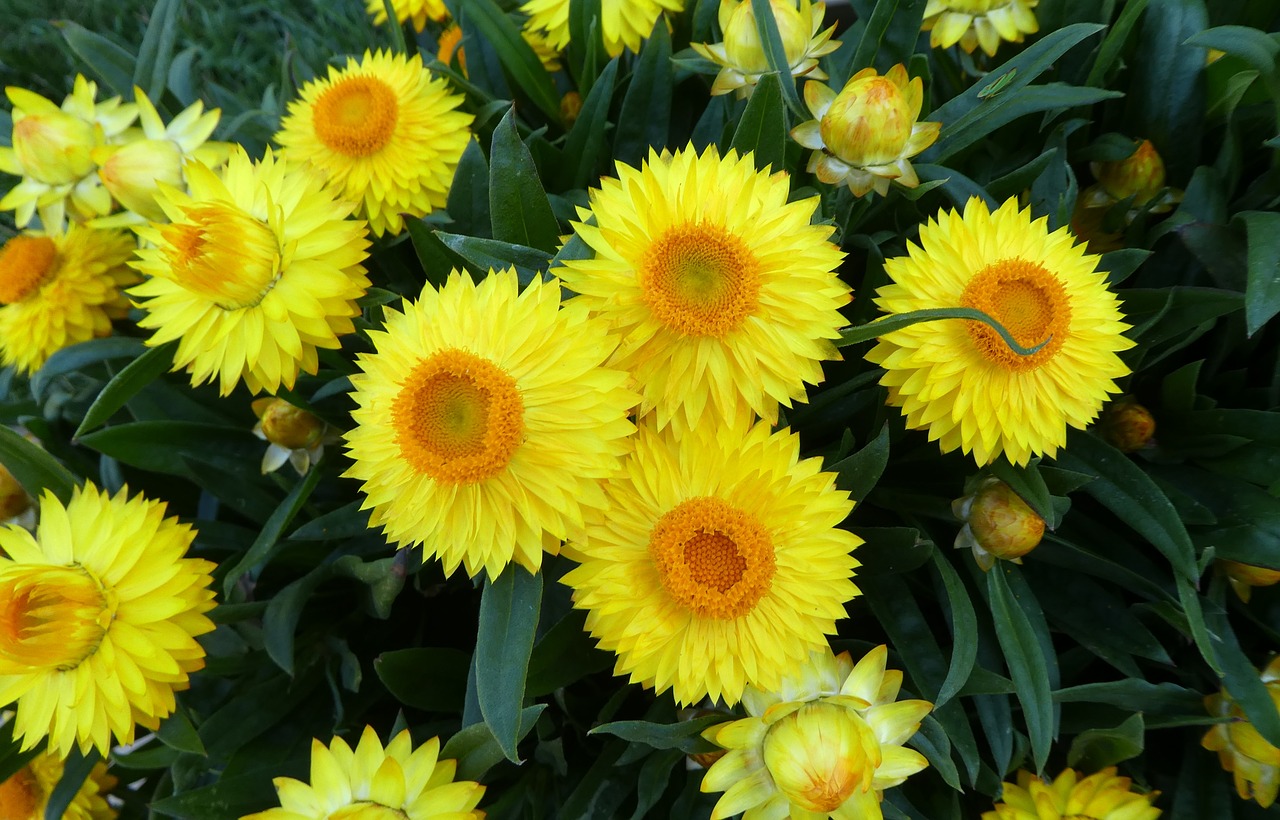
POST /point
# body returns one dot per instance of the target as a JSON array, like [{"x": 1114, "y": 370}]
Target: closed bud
[
  {"x": 1139, "y": 175},
  {"x": 288, "y": 426},
  {"x": 821, "y": 756},
  {"x": 570, "y": 108},
  {"x": 998, "y": 524},
  {"x": 869, "y": 122},
  {"x": 1127, "y": 426},
  {"x": 54, "y": 148},
  {"x": 133, "y": 173}
]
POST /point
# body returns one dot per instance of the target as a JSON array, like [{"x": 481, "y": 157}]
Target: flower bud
[
  {"x": 742, "y": 36},
  {"x": 288, "y": 426},
  {"x": 570, "y": 108},
  {"x": 998, "y": 524},
  {"x": 133, "y": 173},
  {"x": 54, "y": 148},
  {"x": 870, "y": 120},
  {"x": 821, "y": 755},
  {"x": 1140, "y": 175},
  {"x": 1127, "y": 426}
]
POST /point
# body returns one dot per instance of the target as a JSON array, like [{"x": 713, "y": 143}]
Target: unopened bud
[
  {"x": 1127, "y": 426},
  {"x": 288, "y": 426},
  {"x": 998, "y": 524}
]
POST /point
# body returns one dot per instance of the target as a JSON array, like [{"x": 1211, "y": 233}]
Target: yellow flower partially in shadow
[
  {"x": 419, "y": 11},
  {"x": 625, "y": 24},
  {"x": 1101, "y": 796},
  {"x": 1253, "y": 762},
  {"x": 25, "y": 795},
  {"x": 974, "y": 23}
]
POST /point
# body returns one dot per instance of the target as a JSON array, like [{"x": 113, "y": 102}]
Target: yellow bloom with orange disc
[
  {"x": 258, "y": 268},
  {"x": 864, "y": 137},
  {"x": 725, "y": 295},
  {"x": 25, "y": 795},
  {"x": 741, "y": 55},
  {"x": 487, "y": 422},
  {"x": 52, "y": 150},
  {"x": 417, "y": 11},
  {"x": 60, "y": 289},
  {"x": 625, "y": 24},
  {"x": 717, "y": 563},
  {"x": 1241, "y": 749},
  {"x": 979, "y": 23},
  {"x": 957, "y": 378},
  {"x": 376, "y": 783},
  {"x": 385, "y": 132},
  {"x": 99, "y": 614},
  {"x": 1101, "y": 796},
  {"x": 826, "y": 743}
]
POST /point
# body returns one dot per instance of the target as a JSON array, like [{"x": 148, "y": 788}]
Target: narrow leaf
[
  {"x": 646, "y": 107},
  {"x": 77, "y": 357},
  {"x": 136, "y": 375},
  {"x": 268, "y": 539},
  {"x": 1262, "y": 291},
  {"x": 156, "y": 51},
  {"x": 518, "y": 203},
  {"x": 964, "y": 631},
  {"x": 34, "y": 469},
  {"x": 509, "y": 610},
  {"x": 888, "y": 324},
  {"x": 1026, "y": 664},
  {"x": 763, "y": 127}
]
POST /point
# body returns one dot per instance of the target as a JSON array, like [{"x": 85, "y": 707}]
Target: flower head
[
  {"x": 257, "y": 269},
  {"x": 865, "y": 136},
  {"x": 825, "y": 743},
  {"x": 725, "y": 295},
  {"x": 742, "y": 55},
  {"x": 292, "y": 434},
  {"x": 373, "y": 783},
  {"x": 385, "y": 132},
  {"x": 1244, "y": 577},
  {"x": 1139, "y": 175},
  {"x": 25, "y": 795},
  {"x": 419, "y": 11},
  {"x": 718, "y": 562},
  {"x": 624, "y": 23},
  {"x": 61, "y": 289},
  {"x": 99, "y": 612},
  {"x": 974, "y": 23},
  {"x": 997, "y": 524},
  {"x": 1241, "y": 749},
  {"x": 1101, "y": 796},
  {"x": 486, "y": 422},
  {"x": 1127, "y": 425},
  {"x": 53, "y": 153},
  {"x": 958, "y": 379}
]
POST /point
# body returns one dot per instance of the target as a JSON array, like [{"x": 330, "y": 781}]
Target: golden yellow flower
[
  {"x": 449, "y": 44},
  {"x": 625, "y": 23},
  {"x": 974, "y": 23},
  {"x": 742, "y": 55},
  {"x": 59, "y": 290},
  {"x": 486, "y": 422},
  {"x": 373, "y": 783},
  {"x": 1244, "y": 577},
  {"x": 958, "y": 379},
  {"x": 864, "y": 137},
  {"x": 99, "y": 613},
  {"x": 53, "y": 153},
  {"x": 385, "y": 132},
  {"x": 292, "y": 434},
  {"x": 419, "y": 11},
  {"x": 825, "y": 743},
  {"x": 717, "y": 563},
  {"x": 258, "y": 268},
  {"x": 724, "y": 293},
  {"x": 25, "y": 795},
  {"x": 997, "y": 524},
  {"x": 1253, "y": 761},
  {"x": 1101, "y": 796},
  {"x": 1139, "y": 175}
]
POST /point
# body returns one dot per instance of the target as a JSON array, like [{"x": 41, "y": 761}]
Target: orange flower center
[
  {"x": 50, "y": 617},
  {"x": 713, "y": 558},
  {"x": 459, "y": 418},
  {"x": 20, "y": 796},
  {"x": 356, "y": 116},
  {"x": 222, "y": 254},
  {"x": 25, "y": 262},
  {"x": 1031, "y": 304},
  {"x": 700, "y": 280}
]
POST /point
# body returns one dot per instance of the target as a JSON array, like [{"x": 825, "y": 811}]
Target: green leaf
[
  {"x": 399, "y": 43},
  {"x": 1095, "y": 749},
  {"x": 428, "y": 678},
  {"x": 1030, "y": 487},
  {"x": 645, "y": 119},
  {"x": 1114, "y": 42},
  {"x": 1026, "y": 662},
  {"x": 230, "y": 797},
  {"x": 585, "y": 144},
  {"x": 126, "y": 384},
  {"x": 886, "y": 15},
  {"x": 655, "y": 774},
  {"x": 509, "y": 610},
  {"x": 1167, "y": 86},
  {"x": 436, "y": 259},
  {"x": 763, "y": 127},
  {"x": 1120, "y": 265},
  {"x": 34, "y": 469},
  {"x": 897, "y": 321},
  {"x": 484, "y": 255},
  {"x": 156, "y": 51},
  {"x": 348, "y": 521},
  {"x": 964, "y": 631},
  {"x": 469, "y": 194},
  {"x": 12, "y": 760},
  {"x": 76, "y": 357},
  {"x": 476, "y": 749},
  {"x": 1262, "y": 293},
  {"x": 177, "y": 732},
  {"x": 518, "y": 204},
  {"x": 685, "y": 735},
  {"x": 776, "y": 54},
  {"x": 107, "y": 61},
  {"x": 1241, "y": 679},
  {"x": 1249, "y": 44},
  {"x": 167, "y": 446},
  {"x": 859, "y": 472},
  {"x": 268, "y": 540},
  {"x": 891, "y": 550},
  {"x": 492, "y": 23},
  {"x": 75, "y": 771},
  {"x": 1135, "y": 695}
]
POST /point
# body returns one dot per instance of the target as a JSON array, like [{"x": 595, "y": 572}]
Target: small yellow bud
[
  {"x": 286, "y": 425},
  {"x": 570, "y": 108},
  {"x": 133, "y": 173},
  {"x": 54, "y": 148},
  {"x": 868, "y": 123},
  {"x": 14, "y": 500},
  {"x": 1140, "y": 175},
  {"x": 742, "y": 36},
  {"x": 998, "y": 524},
  {"x": 1127, "y": 426}
]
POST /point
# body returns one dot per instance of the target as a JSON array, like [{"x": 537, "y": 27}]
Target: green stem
[{"x": 888, "y": 324}]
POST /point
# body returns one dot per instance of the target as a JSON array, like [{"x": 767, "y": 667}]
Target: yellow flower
[
  {"x": 717, "y": 563},
  {"x": 825, "y": 743},
  {"x": 723, "y": 291},
  {"x": 99, "y": 612},
  {"x": 865, "y": 136},
  {"x": 742, "y": 55},
  {"x": 53, "y": 153},
  {"x": 1139, "y": 175},
  {"x": 258, "y": 268},
  {"x": 60, "y": 290},
  {"x": 419, "y": 11},
  {"x": 1253, "y": 761},
  {"x": 25, "y": 795},
  {"x": 384, "y": 132},
  {"x": 958, "y": 379},
  {"x": 373, "y": 783},
  {"x": 449, "y": 44},
  {"x": 1244, "y": 577},
  {"x": 974, "y": 23},
  {"x": 486, "y": 422},
  {"x": 624, "y": 23},
  {"x": 997, "y": 524},
  {"x": 134, "y": 171},
  {"x": 1101, "y": 796},
  {"x": 293, "y": 435}
]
